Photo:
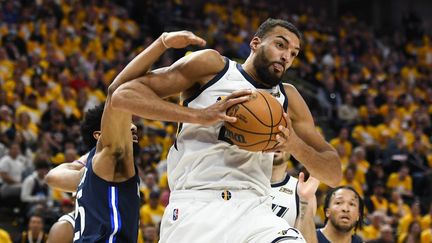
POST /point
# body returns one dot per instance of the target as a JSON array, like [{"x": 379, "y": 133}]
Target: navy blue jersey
[
  {"x": 106, "y": 211},
  {"x": 322, "y": 239}
]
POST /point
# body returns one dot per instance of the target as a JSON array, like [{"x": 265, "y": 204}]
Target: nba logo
[{"x": 175, "y": 214}]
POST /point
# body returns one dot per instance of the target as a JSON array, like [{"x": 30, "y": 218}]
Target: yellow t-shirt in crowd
[
  {"x": 149, "y": 215},
  {"x": 395, "y": 182}
]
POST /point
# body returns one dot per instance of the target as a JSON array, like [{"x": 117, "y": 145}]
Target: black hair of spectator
[
  {"x": 270, "y": 23},
  {"x": 42, "y": 164},
  {"x": 329, "y": 196},
  {"x": 91, "y": 124}
]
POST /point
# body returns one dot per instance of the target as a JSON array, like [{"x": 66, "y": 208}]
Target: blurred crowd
[{"x": 372, "y": 96}]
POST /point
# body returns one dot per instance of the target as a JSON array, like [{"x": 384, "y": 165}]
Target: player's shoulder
[
  {"x": 290, "y": 89},
  {"x": 287, "y": 181},
  {"x": 208, "y": 58}
]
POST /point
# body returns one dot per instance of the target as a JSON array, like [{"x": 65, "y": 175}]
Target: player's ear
[
  {"x": 96, "y": 135},
  {"x": 255, "y": 43},
  {"x": 327, "y": 213}
]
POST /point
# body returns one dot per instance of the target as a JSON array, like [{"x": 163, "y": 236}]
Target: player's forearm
[
  {"x": 305, "y": 222},
  {"x": 325, "y": 166},
  {"x": 64, "y": 177},
  {"x": 136, "y": 98},
  {"x": 140, "y": 65}
]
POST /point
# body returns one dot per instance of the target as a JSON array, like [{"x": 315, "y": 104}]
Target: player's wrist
[{"x": 162, "y": 39}]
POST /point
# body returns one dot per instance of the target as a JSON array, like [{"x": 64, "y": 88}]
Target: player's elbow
[
  {"x": 50, "y": 178},
  {"x": 119, "y": 99}
]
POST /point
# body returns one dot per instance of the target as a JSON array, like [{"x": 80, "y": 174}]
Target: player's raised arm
[
  {"x": 144, "y": 96},
  {"x": 308, "y": 204},
  {"x": 302, "y": 141}
]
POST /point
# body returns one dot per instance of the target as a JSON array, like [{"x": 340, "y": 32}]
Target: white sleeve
[
  {"x": 4, "y": 167},
  {"x": 26, "y": 189}
]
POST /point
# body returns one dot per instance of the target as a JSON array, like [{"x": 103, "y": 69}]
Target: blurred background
[{"x": 365, "y": 70}]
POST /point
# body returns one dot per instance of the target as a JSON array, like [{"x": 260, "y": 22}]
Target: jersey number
[
  {"x": 79, "y": 211},
  {"x": 279, "y": 210}
]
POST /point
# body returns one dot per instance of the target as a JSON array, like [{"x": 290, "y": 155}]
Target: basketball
[{"x": 257, "y": 122}]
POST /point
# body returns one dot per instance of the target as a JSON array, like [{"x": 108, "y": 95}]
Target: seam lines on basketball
[
  {"x": 254, "y": 144},
  {"x": 271, "y": 120},
  {"x": 251, "y": 132},
  {"x": 253, "y": 114}
]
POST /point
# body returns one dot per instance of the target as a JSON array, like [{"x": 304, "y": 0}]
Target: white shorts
[{"x": 223, "y": 217}]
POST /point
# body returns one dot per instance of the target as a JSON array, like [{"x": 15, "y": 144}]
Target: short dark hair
[
  {"x": 329, "y": 196},
  {"x": 270, "y": 23},
  {"x": 91, "y": 124}
]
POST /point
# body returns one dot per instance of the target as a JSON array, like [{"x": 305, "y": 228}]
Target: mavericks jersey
[
  {"x": 285, "y": 200},
  {"x": 203, "y": 158},
  {"x": 106, "y": 211}
]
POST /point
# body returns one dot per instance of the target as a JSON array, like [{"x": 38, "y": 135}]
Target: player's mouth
[
  {"x": 278, "y": 67},
  {"x": 345, "y": 219}
]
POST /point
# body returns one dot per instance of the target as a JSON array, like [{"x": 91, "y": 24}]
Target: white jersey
[
  {"x": 285, "y": 200},
  {"x": 69, "y": 217},
  {"x": 201, "y": 157}
]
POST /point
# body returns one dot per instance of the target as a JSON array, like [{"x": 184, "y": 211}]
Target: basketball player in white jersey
[
  {"x": 220, "y": 193},
  {"x": 285, "y": 200},
  {"x": 293, "y": 200}
]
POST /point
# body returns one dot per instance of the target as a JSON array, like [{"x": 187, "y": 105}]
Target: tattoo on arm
[{"x": 303, "y": 208}]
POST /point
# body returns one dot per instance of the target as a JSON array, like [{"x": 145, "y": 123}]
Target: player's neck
[
  {"x": 333, "y": 235},
  {"x": 278, "y": 173}
]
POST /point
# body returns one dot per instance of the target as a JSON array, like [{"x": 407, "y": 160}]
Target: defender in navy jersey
[
  {"x": 66, "y": 177},
  {"x": 115, "y": 216},
  {"x": 343, "y": 209},
  {"x": 107, "y": 199}
]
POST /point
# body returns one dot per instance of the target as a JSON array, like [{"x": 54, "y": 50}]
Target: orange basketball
[{"x": 257, "y": 122}]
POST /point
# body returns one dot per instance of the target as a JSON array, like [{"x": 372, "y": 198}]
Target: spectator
[
  {"x": 406, "y": 221},
  {"x": 11, "y": 171},
  {"x": 401, "y": 181},
  {"x": 377, "y": 201},
  {"x": 372, "y": 231},
  {"x": 386, "y": 235},
  {"x": 152, "y": 212},
  {"x": 34, "y": 189},
  {"x": 413, "y": 234},
  {"x": 4, "y": 236},
  {"x": 147, "y": 233},
  {"x": 35, "y": 231},
  {"x": 328, "y": 97}
]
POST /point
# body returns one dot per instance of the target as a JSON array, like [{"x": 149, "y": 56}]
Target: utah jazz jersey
[
  {"x": 285, "y": 200},
  {"x": 106, "y": 211},
  {"x": 203, "y": 158}
]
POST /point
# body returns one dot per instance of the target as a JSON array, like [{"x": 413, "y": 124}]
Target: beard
[
  {"x": 263, "y": 68},
  {"x": 342, "y": 228}
]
